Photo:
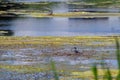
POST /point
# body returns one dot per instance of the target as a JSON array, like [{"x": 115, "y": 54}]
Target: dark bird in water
[{"x": 75, "y": 50}]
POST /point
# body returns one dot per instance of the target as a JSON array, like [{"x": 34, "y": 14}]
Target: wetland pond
[
  {"x": 59, "y": 26},
  {"x": 56, "y": 26}
]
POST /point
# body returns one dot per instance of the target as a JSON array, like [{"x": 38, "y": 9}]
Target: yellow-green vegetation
[
  {"x": 1, "y": 12},
  {"x": 73, "y": 14},
  {"x": 24, "y": 68},
  {"x": 81, "y": 3},
  {"x": 70, "y": 14},
  {"x": 49, "y": 40},
  {"x": 65, "y": 73},
  {"x": 89, "y": 74},
  {"x": 37, "y": 14}
]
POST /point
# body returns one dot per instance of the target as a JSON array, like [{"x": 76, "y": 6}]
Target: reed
[
  {"x": 95, "y": 71},
  {"x": 118, "y": 57},
  {"x": 108, "y": 75},
  {"x": 53, "y": 67}
]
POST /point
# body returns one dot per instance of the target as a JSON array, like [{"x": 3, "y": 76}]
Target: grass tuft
[
  {"x": 54, "y": 70},
  {"x": 95, "y": 71},
  {"x": 108, "y": 74}
]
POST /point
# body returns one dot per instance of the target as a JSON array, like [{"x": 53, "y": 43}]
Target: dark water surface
[{"x": 59, "y": 26}]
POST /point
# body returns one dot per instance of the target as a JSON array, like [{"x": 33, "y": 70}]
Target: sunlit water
[{"x": 60, "y": 26}]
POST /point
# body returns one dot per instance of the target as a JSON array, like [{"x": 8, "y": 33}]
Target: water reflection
[
  {"x": 60, "y": 8},
  {"x": 40, "y": 26},
  {"x": 5, "y": 24},
  {"x": 78, "y": 8},
  {"x": 59, "y": 26},
  {"x": 90, "y": 25}
]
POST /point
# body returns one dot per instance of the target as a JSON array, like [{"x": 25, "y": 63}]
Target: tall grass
[
  {"x": 108, "y": 75},
  {"x": 53, "y": 67},
  {"x": 95, "y": 71},
  {"x": 118, "y": 57}
]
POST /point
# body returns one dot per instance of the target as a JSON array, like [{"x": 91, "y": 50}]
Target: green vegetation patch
[{"x": 24, "y": 68}]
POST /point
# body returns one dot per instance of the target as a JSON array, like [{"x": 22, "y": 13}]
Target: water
[
  {"x": 108, "y": 10},
  {"x": 59, "y": 26},
  {"x": 29, "y": 56}
]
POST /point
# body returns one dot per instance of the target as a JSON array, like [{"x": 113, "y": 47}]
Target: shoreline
[
  {"x": 86, "y": 15},
  {"x": 72, "y": 15}
]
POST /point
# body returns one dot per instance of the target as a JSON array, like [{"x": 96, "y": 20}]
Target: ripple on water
[
  {"x": 14, "y": 62},
  {"x": 90, "y": 62}
]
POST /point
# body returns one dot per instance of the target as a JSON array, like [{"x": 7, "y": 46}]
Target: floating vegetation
[{"x": 40, "y": 50}]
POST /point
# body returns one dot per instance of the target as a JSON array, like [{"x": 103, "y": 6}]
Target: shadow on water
[
  {"x": 7, "y": 18},
  {"x": 90, "y": 18},
  {"x": 5, "y": 23}
]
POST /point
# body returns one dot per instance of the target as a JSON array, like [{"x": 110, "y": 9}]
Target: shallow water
[
  {"x": 35, "y": 57},
  {"x": 32, "y": 56}
]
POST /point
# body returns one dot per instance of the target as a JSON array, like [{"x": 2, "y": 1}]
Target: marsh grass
[
  {"x": 108, "y": 75},
  {"x": 72, "y": 73},
  {"x": 107, "y": 72}
]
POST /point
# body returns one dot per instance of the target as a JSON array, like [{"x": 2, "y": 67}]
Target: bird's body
[{"x": 76, "y": 51}]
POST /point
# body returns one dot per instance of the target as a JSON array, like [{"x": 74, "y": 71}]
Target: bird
[{"x": 75, "y": 50}]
